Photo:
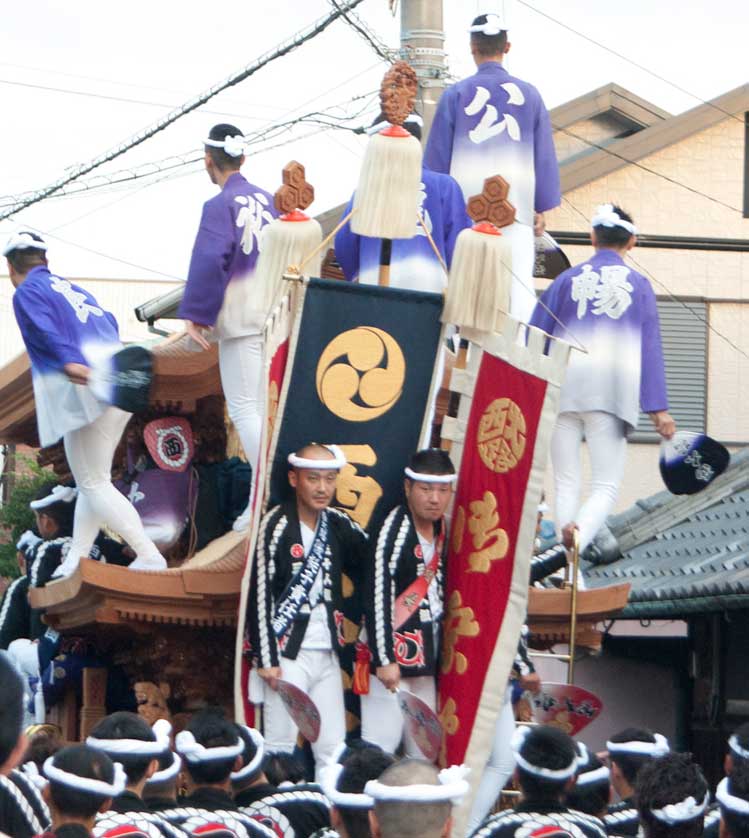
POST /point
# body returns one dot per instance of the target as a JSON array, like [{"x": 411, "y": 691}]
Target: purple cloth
[
  {"x": 612, "y": 311},
  {"x": 495, "y": 124},
  {"x": 413, "y": 264},
  {"x": 224, "y": 257}
]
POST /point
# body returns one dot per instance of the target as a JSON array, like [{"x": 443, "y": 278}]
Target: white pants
[
  {"x": 607, "y": 445},
  {"x": 381, "y": 716},
  {"x": 319, "y": 675},
  {"x": 522, "y": 291},
  {"x": 500, "y": 766},
  {"x": 241, "y": 364},
  {"x": 89, "y": 451}
]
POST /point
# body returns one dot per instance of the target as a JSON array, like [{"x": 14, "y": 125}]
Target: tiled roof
[{"x": 684, "y": 555}]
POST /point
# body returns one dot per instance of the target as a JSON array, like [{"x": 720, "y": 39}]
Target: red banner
[{"x": 498, "y": 455}]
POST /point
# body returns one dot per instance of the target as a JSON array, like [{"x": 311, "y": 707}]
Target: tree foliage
[{"x": 15, "y": 516}]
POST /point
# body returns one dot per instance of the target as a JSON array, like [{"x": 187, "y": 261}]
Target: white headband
[
  {"x": 597, "y": 775},
  {"x": 113, "y": 789},
  {"x": 686, "y": 810},
  {"x": 168, "y": 773},
  {"x": 606, "y": 216},
  {"x": 60, "y": 494},
  {"x": 419, "y": 477},
  {"x": 733, "y": 744},
  {"x": 414, "y": 119},
  {"x": 193, "y": 751},
  {"x": 729, "y": 801},
  {"x": 136, "y": 747},
  {"x": 453, "y": 786},
  {"x": 346, "y": 799},
  {"x": 493, "y": 26},
  {"x": 337, "y": 463},
  {"x": 253, "y": 765},
  {"x": 516, "y": 743},
  {"x": 233, "y": 146},
  {"x": 27, "y": 539},
  {"x": 31, "y": 772},
  {"x": 23, "y": 241},
  {"x": 658, "y": 748}
]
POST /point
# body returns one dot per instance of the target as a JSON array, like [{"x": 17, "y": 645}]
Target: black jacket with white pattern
[{"x": 528, "y": 817}]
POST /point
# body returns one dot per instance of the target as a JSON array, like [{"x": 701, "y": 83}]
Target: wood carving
[
  {"x": 492, "y": 206},
  {"x": 398, "y": 92},
  {"x": 151, "y": 699},
  {"x": 296, "y": 193}
]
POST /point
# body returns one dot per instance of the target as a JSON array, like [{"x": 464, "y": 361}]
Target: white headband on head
[
  {"x": 60, "y": 494},
  {"x": 23, "y": 241},
  {"x": 606, "y": 216},
  {"x": 234, "y": 146},
  {"x": 453, "y": 786},
  {"x": 493, "y": 26},
  {"x": 168, "y": 773},
  {"x": 659, "y": 748},
  {"x": 685, "y": 810},
  {"x": 31, "y": 773},
  {"x": 346, "y": 799},
  {"x": 65, "y": 778},
  {"x": 733, "y": 744},
  {"x": 136, "y": 747},
  {"x": 420, "y": 477},
  {"x": 253, "y": 765},
  {"x": 337, "y": 463},
  {"x": 729, "y": 801},
  {"x": 516, "y": 744},
  {"x": 597, "y": 775},
  {"x": 413, "y": 119},
  {"x": 27, "y": 539},
  {"x": 193, "y": 751}
]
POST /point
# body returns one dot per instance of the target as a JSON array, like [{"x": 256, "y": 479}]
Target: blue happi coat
[
  {"x": 493, "y": 123},
  {"x": 62, "y": 323},
  {"x": 413, "y": 263}
]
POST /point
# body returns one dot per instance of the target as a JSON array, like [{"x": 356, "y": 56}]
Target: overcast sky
[{"x": 129, "y": 64}]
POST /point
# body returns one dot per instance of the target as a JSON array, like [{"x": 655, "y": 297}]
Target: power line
[
  {"x": 283, "y": 49},
  {"x": 628, "y": 60},
  {"x": 377, "y": 44}
]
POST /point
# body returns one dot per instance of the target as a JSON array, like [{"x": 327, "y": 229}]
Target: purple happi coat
[
  {"x": 611, "y": 310},
  {"x": 495, "y": 124},
  {"x": 219, "y": 288}
]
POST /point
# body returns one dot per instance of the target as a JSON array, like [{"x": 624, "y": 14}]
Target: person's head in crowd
[
  {"x": 738, "y": 748},
  {"x": 224, "y": 152},
  {"x": 343, "y": 784},
  {"x": 613, "y": 229},
  {"x": 251, "y": 771},
  {"x": 591, "y": 793},
  {"x": 489, "y": 38},
  {"x": 129, "y": 739},
  {"x": 44, "y": 741},
  {"x": 413, "y": 799},
  {"x": 82, "y": 782},
  {"x": 163, "y": 785},
  {"x": 629, "y": 750},
  {"x": 12, "y": 738},
  {"x": 546, "y": 763},
  {"x": 282, "y": 768},
  {"x": 313, "y": 475},
  {"x": 24, "y": 251},
  {"x": 733, "y": 798},
  {"x": 54, "y": 508},
  {"x": 430, "y": 476},
  {"x": 211, "y": 749},
  {"x": 671, "y": 796}
]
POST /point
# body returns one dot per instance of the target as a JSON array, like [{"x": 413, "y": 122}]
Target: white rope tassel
[
  {"x": 420, "y": 477},
  {"x": 65, "y": 778},
  {"x": 193, "y": 751},
  {"x": 685, "y": 810},
  {"x": 659, "y": 748},
  {"x": 386, "y": 202},
  {"x": 453, "y": 786}
]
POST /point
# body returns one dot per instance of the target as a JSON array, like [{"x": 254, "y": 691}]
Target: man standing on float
[
  {"x": 219, "y": 291},
  {"x": 495, "y": 124}
]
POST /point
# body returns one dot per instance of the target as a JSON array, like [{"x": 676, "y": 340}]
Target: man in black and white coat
[
  {"x": 296, "y": 607},
  {"x": 404, "y": 599}
]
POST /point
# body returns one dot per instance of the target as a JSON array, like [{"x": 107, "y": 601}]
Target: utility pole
[{"x": 423, "y": 46}]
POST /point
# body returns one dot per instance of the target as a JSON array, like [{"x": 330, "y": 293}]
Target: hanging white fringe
[
  {"x": 386, "y": 202},
  {"x": 480, "y": 279},
  {"x": 286, "y": 242}
]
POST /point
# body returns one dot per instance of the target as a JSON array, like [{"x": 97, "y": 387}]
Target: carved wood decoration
[
  {"x": 492, "y": 206},
  {"x": 398, "y": 92},
  {"x": 296, "y": 193}
]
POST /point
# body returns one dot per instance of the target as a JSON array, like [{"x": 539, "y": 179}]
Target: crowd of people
[{"x": 218, "y": 778}]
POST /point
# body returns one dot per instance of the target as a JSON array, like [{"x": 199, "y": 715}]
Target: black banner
[{"x": 363, "y": 361}]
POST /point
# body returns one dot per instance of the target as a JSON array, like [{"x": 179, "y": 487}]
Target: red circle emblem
[
  {"x": 418, "y": 552},
  {"x": 297, "y": 551}
]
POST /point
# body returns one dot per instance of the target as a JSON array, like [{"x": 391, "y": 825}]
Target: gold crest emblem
[{"x": 501, "y": 436}]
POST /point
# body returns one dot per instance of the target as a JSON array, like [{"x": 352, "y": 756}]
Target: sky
[{"x": 81, "y": 76}]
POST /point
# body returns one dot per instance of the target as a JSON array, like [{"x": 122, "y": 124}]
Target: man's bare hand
[
  {"x": 77, "y": 373},
  {"x": 195, "y": 330},
  {"x": 271, "y": 676},
  {"x": 664, "y": 423},
  {"x": 390, "y": 676},
  {"x": 531, "y": 682},
  {"x": 539, "y": 224}
]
